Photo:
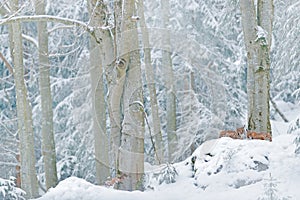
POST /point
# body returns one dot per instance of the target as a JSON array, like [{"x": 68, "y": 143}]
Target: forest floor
[{"x": 219, "y": 169}]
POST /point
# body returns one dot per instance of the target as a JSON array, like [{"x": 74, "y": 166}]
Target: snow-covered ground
[
  {"x": 219, "y": 169},
  {"x": 223, "y": 169}
]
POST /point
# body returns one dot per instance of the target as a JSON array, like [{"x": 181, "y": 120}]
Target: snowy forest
[{"x": 103, "y": 97}]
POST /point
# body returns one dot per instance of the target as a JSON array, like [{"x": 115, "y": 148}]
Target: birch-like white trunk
[
  {"x": 131, "y": 161},
  {"x": 265, "y": 13},
  {"x": 48, "y": 143},
  {"x": 97, "y": 13},
  {"x": 24, "y": 112},
  {"x": 150, "y": 81},
  {"x": 257, "y": 19},
  {"x": 169, "y": 82}
]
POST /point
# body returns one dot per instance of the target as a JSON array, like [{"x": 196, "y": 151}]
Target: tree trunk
[
  {"x": 169, "y": 82},
  {"x": 25, "y": 126},
  {"x": 48, "y": 143},
  {"x": 265, "y": 15},
  {"x": 115, "y": 80},
  {"x": 97, "y": 13},
  {"x": 158, "y": 148},
  {"x": 132, "y": 140},
  {"x": 257, "y": 29}
]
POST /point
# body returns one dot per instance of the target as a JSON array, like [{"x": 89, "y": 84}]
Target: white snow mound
[{"x": 219, "y": 169}]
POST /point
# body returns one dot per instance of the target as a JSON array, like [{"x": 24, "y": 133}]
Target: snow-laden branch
[
  {"x": 31, "y": 39},
  {"x": 47, "y": 18}
]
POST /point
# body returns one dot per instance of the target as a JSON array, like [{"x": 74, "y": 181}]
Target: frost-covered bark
[
  {"x": 97, "y": 14},
  {"x": 159, "y": 151},
  {"x": 169, "y": 83},
  {"x": 48, "y": 143},
  {"x": 131, "y": 160},
  {"x": 257, "y": 29},
  {"x": 24, "y": 112}
]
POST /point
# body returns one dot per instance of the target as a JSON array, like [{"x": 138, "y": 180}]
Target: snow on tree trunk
[
  {"x": 169, "y": 83},
  {"x": 131, "y": 160},
  {"x": 257, "y": 29},
  {"x": 25, "y": 130},
  {"x": 48, "y": 143},
  {"x": 97, "y": 11},
  {"x": 159, "y": 153}
]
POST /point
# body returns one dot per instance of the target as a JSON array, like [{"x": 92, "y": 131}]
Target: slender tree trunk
[
  {"x": 265, "y": 16},
  {"x": 159, "y": 153},
  {"x": 48, "y": 144},
  {"x": 115, "y": 79},
  {"x": 98, "y": 18},
  {"x": 257, "y": 29},
  {"x": 115, "y": 112},
  {"x": 132, "y": 141},
  {"x": 249, "y": 25},
  {"x": 25, "y": 126},
  {"x": 169, "y": 82}
]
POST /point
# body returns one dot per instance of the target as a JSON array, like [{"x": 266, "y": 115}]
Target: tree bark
[
  {"x": 97, "y": 13},
  {"x": 265, "y": 13},
  {"x": 169, "y": 82},
  {"x": 132, "y": 139},
  {"x": 48, "y": 143},
  {"x": 257, "y": 29},
  {"x": 115, "y": 79},
  {"x": 25, "y": 126}
]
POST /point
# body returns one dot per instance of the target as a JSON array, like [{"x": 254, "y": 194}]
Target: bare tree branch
[
  {"x": 278, "y": 111},
  {"x": 7, "y": 64}
]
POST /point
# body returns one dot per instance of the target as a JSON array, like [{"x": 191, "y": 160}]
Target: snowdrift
[{"x": 219, "y": 169}]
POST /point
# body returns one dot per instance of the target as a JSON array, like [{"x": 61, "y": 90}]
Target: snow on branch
[
  {"x": 8, "y": 189},
  {"x": 30, "y": 39},
  {"x": 261, "y": 35},
  {"x": 66, "y": 21}
]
